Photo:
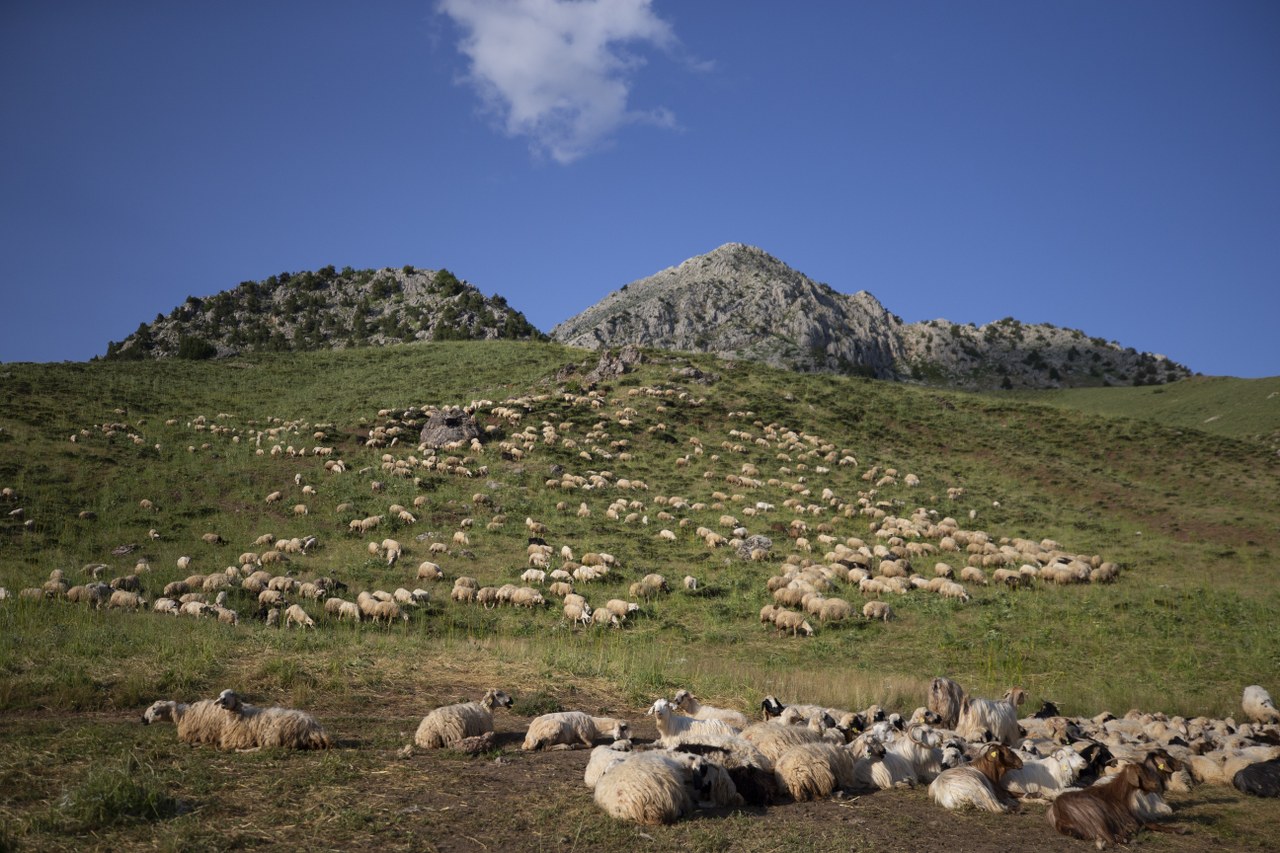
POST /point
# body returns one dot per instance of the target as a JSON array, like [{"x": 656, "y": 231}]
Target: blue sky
[{"x": 1108, "y": 166}]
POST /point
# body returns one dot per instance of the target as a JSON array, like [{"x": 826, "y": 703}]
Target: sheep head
[
  {"x": 660, "y": 708},
  {"x": 771, "y": 707},
  {"x": 229, "y": 700},
  {"x": 160, "y": 711},
  {"x": 496, "y": 699}
]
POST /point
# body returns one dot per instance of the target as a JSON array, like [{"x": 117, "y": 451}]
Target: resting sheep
[
  {"x": 812, "y": 770},
  {"x": 198, "y": 723},
  {"x": 570, "y": 729},
  {"x": 448, "y": 725},
  {"x": 648, "y": 788},
  {"x": 684, "y": 701},
  {"x": 670, "y": 723},
  {"x": 978, "y": 785},
  {"x": 248, "y": 727}
]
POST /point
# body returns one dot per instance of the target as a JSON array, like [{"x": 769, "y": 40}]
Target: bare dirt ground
[{"x": 369, "y": 792}]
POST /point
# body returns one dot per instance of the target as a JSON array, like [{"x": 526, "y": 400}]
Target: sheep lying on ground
[
  {"x": 813, "y": 770},
  {"x": 1261, "y": 779},
  {"x": 657, "y": 787},
  {"x": 448, "y": 725},
  {"x": 1048, "y": 777},
  {"x": 685, "y": 702},
  {"x": 670, "y": 723},
  {"x": 978, "y": 785},
  {"x": 198, "y": 723},
  {"x": 249, "y": 727},
  {"x": 602, "y": 758},
  {"x": 569, "y": 729}
]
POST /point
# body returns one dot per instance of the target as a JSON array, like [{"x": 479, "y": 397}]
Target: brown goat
[
  {"x": 1103, "y": 813},
  {"x": 994, "y": 761}
]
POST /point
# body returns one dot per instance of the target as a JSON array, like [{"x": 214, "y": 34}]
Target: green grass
[
  {"x": 1188, "y": 513},
  {"x": 1247, "y": 409}
]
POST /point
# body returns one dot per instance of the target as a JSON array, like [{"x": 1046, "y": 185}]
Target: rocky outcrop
[
  {"x": 740, "y": 302},
  {"x": 326, "y": 309},
  {"x": 448, "y": 426}
]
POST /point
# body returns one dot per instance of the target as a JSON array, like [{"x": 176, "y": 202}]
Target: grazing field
[{"x": 122, "y": 468}]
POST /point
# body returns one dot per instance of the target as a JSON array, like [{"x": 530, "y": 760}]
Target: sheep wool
[
  {"x": 249, "y": 727},
  {"x": 198, "y": 723},
  {"x": 567, "y": 729},
  {"x": 648, "y": 788},
  {"x": 448, "y": 725}
]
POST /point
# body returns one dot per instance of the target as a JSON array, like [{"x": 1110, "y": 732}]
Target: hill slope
[
  {"x": 740, "y": 302},
  {"x": 326, "y": 309}
]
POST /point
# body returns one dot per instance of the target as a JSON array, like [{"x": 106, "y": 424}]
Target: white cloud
[{"x": 557, "y": 71}]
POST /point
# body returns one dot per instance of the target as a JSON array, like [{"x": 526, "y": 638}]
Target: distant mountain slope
[
  {"x": 326, "y": 309},
  {"x": 738, "y": 301}
]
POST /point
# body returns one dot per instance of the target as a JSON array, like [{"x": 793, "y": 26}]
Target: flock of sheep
[
  {"x": 923, "y": 551},
  {"x": 1102, "y": 779}
]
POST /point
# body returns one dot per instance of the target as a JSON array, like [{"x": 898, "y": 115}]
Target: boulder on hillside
[{"x": 447, "y": 426}]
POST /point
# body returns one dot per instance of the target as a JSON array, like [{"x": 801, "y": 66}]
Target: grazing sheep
[
  {"x": 249, "y": 727},
  {"x": 198, "y": 723},
  {"x": 448, "y": 725},
  {"x": 294, "y": 614},
  {"x": 877, "y": 610},
  {"x": 790, "y": 620},
  {"x": 978, "y": 785},
  {"x": 1102, "y": 813},
  {"x": 570, "y": 729},
  {"x": 127, "y": 600},
  {"x": 1258, "y": 707},
  {"x": 684, "y": 701},
  {"x": 428, "y": 571}
]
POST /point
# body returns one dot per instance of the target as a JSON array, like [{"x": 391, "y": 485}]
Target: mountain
[
  {"x": 326, "y": 309},
  {"x": 740, "y": 302}
]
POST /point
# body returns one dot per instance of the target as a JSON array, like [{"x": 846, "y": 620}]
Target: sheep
[
  {"x": 1258, "y": 707},
  {"x": 876, "y": 609},
  {"x": 875, "y": 766},
  {"x": 198, "y": 723},
  {"x": 978, "y": 784},
  {"x": 294, "y": 614},
  {"x": 773, "y": 740},
  {"x": 347, "y": 610},
  {"x": 127, "y": 600},
  {"x": 248, "y": 727},
  {"x": 997, "y": 716},
  {"x": 387, "y": 611},
  {"x": 684, "y": 701},
  {"x": 1260, "y": 779},
  {"x": 428, "y": 571},
  {"x": 925, "y": 749},
  {"x": 602, "y": 758},
  {"x": 669, "y": 723},
  {"x": 812, "y": 770},
  {"x": 1045, "y": 778},
  {"x": 794, "y": 622},
  {"x": 1101, "y": 813},
  {"x": 648, "y": 788},
  {"x": 570, "y": 729},
  {"x": 446, "y": 726}
]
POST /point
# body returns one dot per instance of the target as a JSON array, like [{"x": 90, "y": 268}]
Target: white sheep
[
  {"x": 249, "y": 727},
  {"x": 978, "y": 784},
  {"x": 569, "y": 729},
  {"x": 294, "y": 614},
  {"x": 684, "y": 701},
  {"x": 1257, "y": 705},
  {"x": 878, "y": 767},
  {"x": 448, "y": 725},
  {"x": 1045, "y": 778},
  {"x": 877, "y": 610},
  {"x": 670, "y": 723},
  {"x": 602, "y": 758},
  {"x": 995, "y": 719},
  {"x": 198, "y": 723},
  {"x": 648, "y": 788}
]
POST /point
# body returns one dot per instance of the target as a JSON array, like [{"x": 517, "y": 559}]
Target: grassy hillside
[
  {"x": 1189, "y": 516},
  {"x": 1240, "y": 408}
]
